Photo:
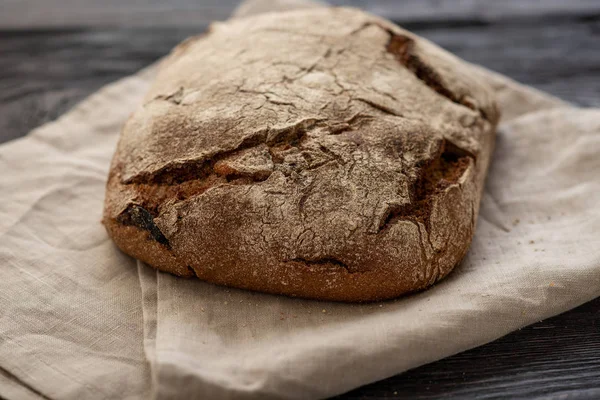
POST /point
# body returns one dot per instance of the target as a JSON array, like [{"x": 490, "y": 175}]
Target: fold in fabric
[
  {"x": 536, "y": 253},
  {"x": 71, "y": 322}
]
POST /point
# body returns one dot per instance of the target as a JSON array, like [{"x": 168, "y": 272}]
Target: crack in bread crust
[
  {"x": 403, "y": 48},
  {"x": 443, "y": 170},
  {"x": 139, "y": 217},
  {"x": 343, "y": 158}
]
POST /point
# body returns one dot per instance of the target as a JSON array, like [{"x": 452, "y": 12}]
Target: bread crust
[{"x": 323, "y": 153}]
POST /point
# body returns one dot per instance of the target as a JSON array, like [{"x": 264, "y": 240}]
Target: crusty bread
[{"x": 322, "y": 153}]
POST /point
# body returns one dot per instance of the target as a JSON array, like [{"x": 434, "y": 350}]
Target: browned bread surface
[{"x": 322, "y": 153}]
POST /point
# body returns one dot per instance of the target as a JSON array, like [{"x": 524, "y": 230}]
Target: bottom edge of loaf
[{"x": 342, "y": 286}]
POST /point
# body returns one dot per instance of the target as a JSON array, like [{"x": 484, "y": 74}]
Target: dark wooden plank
[
  {"x": 152, "y": 13},
  {"x": 44, "y": 73},
  {"x": 559, "y": 56}
]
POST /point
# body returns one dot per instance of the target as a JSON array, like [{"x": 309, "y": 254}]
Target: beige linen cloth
[{"x": 81, "y": 320}]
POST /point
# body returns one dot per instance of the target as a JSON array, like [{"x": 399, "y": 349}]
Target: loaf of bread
[{"x": 322, "y": 153}]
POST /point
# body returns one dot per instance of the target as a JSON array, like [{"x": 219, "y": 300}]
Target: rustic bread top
[
  {"x": 323, "y": 137},
  {"x": 240, "y": 83}
]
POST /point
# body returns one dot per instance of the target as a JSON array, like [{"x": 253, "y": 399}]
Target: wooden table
[{"x": 53, "y": 53}]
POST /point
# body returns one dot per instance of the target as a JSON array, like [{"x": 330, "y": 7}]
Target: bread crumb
[
  {"x": 324, "y": 311},
  {"x": 381, "y": 305},
  {"x": 516, "y": 221},
  {"x": 395, "y": 393},
  {"x": 202, "y": 309},
  {"x": 226, "y": 303},
  {"x": 551, "y": 284}
]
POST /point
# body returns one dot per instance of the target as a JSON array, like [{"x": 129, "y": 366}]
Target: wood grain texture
[
  {"x": 193, "y": 13},
  {"x": 44, "y": 73}
]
